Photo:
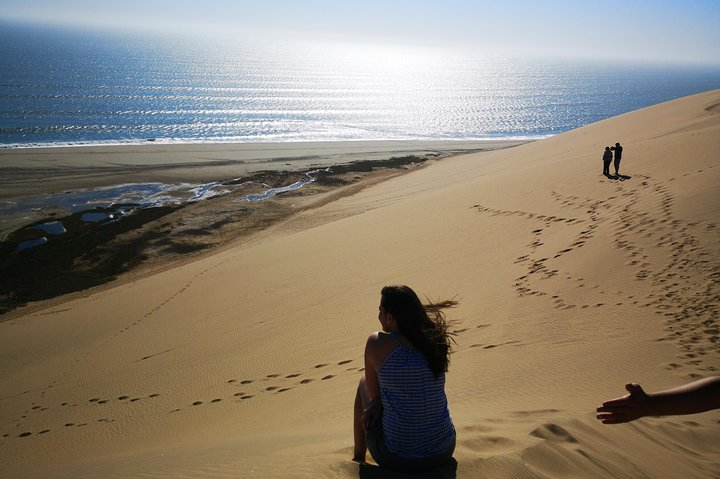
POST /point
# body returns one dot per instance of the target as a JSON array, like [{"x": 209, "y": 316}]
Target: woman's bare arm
[
  {"x": 698, "y": 396},
  {"x": 373, "y": 410}
]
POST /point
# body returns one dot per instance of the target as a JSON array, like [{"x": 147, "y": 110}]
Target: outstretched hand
[{"x": 627, "y": 408}]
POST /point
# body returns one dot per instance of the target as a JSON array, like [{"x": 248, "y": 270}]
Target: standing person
[
  {"x": 401, "y": 413},
  {"x": 618, "y": 156},
  {"x": 607, "y": 158}
]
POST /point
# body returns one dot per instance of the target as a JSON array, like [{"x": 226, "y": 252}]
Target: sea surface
[{"x": 60, "y": 87}]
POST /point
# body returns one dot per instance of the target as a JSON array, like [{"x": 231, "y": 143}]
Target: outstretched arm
[{"x": 698, "y": 396}]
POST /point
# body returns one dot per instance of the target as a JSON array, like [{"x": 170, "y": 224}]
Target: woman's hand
[
  {"x": 627, "y": 408},
  {"x": 372, "y": 414}
]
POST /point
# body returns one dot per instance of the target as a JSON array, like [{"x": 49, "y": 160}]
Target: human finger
[
  {"x": 613, "y": 418},
  {"x": 634, "y": 388},
  {"x": 616, "y": 408},
  {"x": 616, "y": 402}
]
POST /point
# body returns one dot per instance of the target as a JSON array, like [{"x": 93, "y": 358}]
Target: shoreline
[
  {"x": 234, "y": 141},
  {"x": 151, "y": 239},
  {"x": 28, "y": 171}
]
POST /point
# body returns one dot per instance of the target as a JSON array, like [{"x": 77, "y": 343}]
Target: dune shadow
[{"x": 448, "y": 471}]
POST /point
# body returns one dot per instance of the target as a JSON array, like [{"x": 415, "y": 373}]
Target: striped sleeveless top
[{"x": 416, "y": 421}]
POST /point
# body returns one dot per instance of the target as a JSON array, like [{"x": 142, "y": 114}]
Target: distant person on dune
[
  {"x": 401, "y": 413},
  {"x": 618, "y": 156},
  {"x": 698, "y": 396},
  {"x": 607, "y": 158}
]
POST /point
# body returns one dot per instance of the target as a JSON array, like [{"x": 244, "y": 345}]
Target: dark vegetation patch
[
  {"x": 87, "y": 255},
  {"x": 93, "y": 253}
]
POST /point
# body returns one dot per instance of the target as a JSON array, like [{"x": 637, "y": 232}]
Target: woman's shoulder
[
  {"x": 380, "y": 338},
  {"x": 380, "y": 345}
]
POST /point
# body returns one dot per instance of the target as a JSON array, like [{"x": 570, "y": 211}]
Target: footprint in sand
[
  {"x": 305, "y": 381},
  {"x": 246, "y": 381},
  {"x": 294, "y": 375},
  {"x": 345, "y": 362},
  {"x": 197, "y": 403},
  {"x": 216, "y": 400},
  {"x": 485, "y": 442},
  {"x": 320, "y": 366},
  {"x": 553, "y": 432},
  {"x": 329, "y": 376},
  {"x": 271, "y": 388}
]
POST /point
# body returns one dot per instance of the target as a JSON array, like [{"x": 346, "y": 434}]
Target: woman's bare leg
[{"x": 361, "y": 399}]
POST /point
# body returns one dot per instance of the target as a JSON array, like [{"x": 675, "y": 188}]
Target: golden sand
[{"x": 245, "y": 362}]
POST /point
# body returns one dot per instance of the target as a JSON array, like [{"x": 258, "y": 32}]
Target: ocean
[{"x": 60, "y": 87}]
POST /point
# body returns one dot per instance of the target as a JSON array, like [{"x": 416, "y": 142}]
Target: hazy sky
[{"x": 655, "y": 30}]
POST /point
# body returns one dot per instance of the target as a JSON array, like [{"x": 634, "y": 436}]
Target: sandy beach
[
  {"x": 153, "y": 207},
  {"x": 29, "y": 171},
  {"x": 244, "y": 361}
]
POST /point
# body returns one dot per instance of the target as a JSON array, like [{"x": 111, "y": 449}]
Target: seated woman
[{"x": 401, "y": 412}]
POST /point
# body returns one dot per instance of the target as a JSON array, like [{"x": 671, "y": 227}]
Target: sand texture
[{"x": 244, "y": 363}]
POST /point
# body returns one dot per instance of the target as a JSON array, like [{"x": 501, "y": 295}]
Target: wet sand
[{"x": 30, "y": 171}]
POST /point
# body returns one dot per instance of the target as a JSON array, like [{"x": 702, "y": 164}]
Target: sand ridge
[{"x": 245, "y": 362}]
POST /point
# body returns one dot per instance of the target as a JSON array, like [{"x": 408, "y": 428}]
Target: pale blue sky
[{"x": 657, "y": 30}]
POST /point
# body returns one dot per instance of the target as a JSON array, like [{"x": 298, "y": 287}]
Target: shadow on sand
[
  {"x": 448, "y": 471},
  {"x": 618, "y": 177}
]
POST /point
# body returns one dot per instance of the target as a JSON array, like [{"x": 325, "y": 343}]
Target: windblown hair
[{"x": 424, "y": 325}]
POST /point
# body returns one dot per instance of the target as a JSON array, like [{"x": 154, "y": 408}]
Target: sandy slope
[{"x": 245, "y": 363}]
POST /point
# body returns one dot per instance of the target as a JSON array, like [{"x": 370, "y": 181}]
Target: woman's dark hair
[{"x": 424, "y": 325}]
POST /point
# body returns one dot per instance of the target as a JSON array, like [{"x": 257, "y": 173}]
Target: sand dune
[{"x": 244, "y": 363}]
